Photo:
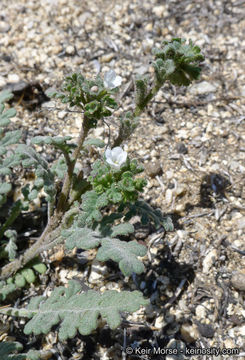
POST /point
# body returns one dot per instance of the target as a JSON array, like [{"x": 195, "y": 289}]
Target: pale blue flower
[
  {"x": 116, "y": 157},
  {"x": 112, "y": 80}
]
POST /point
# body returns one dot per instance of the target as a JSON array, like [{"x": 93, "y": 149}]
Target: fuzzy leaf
[
  {"x": 122, "y": 229},
  {"x": 11, "y": 137},
  {"x": 5, "y": 188},
  {"x": 29, "y": 275},
  {"x": 59, "y": 168},
  {"x": 148, "y": 214},
  {"x": 177, "y": 62},
  {"x": 92, "y": 203},
  {"x": 7, "y": 349},
  {"x": 125, "y": 253},
  {"x": 95, "y": 142},
  {"x": 40, "y": 268},
  {"x": 33, "y": 355},
  {"x": 11, "y": 247},
  {"x": 5, "y": 96},
  {"x": 19, "y": 280},
  {"x": 5, "y": 290},
  {"x": 82, "y": 238},
  {"x": 30, "y": 157},
  {"x": 59, "y": 142},
  {"x": 75, "y": 311}
]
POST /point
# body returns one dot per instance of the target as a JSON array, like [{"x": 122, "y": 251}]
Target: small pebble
[
  {"x": 107, "y": 58},
  {"x": 181, "y": 148},
  {"x": 62, "y": 114},
  {"x": 189, "y": 332},
  {"x": 153, "y": 169},
  {"x": 13, "y": 78},
  {"x": 238, "y": 281},
  {"x": 70, "y": 50},
  {"x": 203, "y": 87},
  {"x": 4, "y": 27},
  {"x": 205, "y": 330},
  {"x": 209, "y": 260},
  {"x": 160, "y": 322}
]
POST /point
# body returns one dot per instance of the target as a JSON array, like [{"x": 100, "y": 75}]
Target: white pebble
[{"x": 209, "y": 260}]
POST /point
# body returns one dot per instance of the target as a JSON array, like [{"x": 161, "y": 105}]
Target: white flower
[
  {"x": 116, "y": 157},
  {"x": 112, "y": 80}
]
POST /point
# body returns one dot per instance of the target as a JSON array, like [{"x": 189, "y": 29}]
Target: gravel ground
[{"x": 191, "y": 141}]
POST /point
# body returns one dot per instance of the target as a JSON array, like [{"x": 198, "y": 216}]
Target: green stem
[{"x": 152, "y": 93}]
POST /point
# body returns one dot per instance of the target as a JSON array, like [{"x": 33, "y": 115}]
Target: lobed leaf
[
  {"x": 11, "y": 137},
  {"x": 91, "y": 205},
  {"x": 124, "y": 253},
  {"x": 122, "y": 229},
  {"x": 82, "y": 238},
  {"x": 75, "y": 311}
]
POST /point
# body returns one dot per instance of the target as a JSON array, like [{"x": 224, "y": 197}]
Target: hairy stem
[
  {"x": 137, "y": 112},
  {"x": 68, "y": 179},
  {"x": 152, "y": 93},
  {"x": 48, "y": 234}
]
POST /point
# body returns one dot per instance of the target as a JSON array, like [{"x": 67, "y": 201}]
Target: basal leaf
[
  {"x": 124, "y": 253},
  {"x": 76, "y": 311}
]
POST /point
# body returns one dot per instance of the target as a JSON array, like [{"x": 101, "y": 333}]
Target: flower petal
[{"x": 111, "y": 80}]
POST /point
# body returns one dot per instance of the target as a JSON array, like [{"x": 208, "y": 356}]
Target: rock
[
  {"x": 107, "y": 57},
  {"x": 189, "y": 332},
  {"x": 14, "y": 78},
  {"x": 149, "y": 27},
  {"x": 180, "y": 190},
  {"x": 70, "y": 50},
  {"x": 209, "y": 260},
  {"x": 160, "y": 322},
  {"x": 4, "y": 27},
  {"x": 62, "y": 114},
  {"x": 205, "y": 330},
  {"x": 181, "y": 148},
  {"x": 238, "y": 280},
  {"x": 141, "y": 69},
  {"x": 97, "y": 272},
  {"x": 241, "y": 223},
  {"x": 201, "y": 312},
  {"x": 153, "y": 169},
  {"x": 169, "y": 174},
  {"x": 159, "y": 10},
  {"x": 203, "y": 87},
  {"x": 168, "y": 196},
  {"x": 182, "y": 134},
  {"x": 241, "y": 330},
  {"x": 148, "y": 45},
  {"x": 178, "y": 348},
  {"x": 2, "y": 82}
]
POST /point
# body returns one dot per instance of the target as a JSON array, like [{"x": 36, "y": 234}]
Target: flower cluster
[{"x": 116, "y": 176}]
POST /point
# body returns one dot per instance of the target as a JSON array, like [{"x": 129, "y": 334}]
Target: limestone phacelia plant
[{"x": 88, "y": 212}]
